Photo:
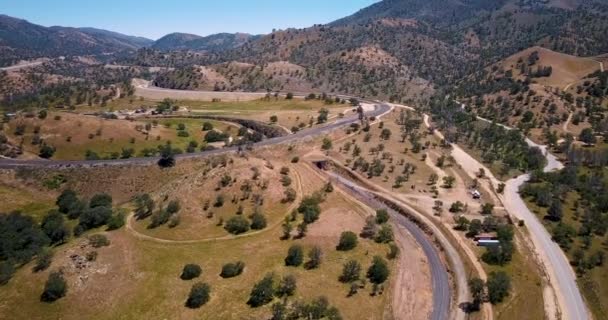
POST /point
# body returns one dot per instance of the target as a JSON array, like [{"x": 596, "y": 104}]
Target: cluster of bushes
[
  {"x": 239, "y": 224},
  {"x": 23, "y": 239},
  {"x": 265, "y": 290},
  {"x": 377, "y": 274},
  {"x": 498, "y": 287},
  {"x": 201, "y": 292},
  {"x": 318, "y": 308},
  {"x": 295, "y": 257},
  {"x": 145, "y": 207}
]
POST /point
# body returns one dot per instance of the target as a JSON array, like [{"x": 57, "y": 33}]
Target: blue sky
[{"x": 155, "y": 18}]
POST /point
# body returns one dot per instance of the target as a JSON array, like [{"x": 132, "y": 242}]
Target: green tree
[
  {"x": 6, "y": 272},
  {"x": 66, "y": 200},
  {"x": 314, "y": 255},
  {"x": 144, "y": 206},
  {"x": 54, "y": 227},
  {"x": 378, "y": 272},
  {"x": 385, "y": 235},
  {"x": 287, "y": 229},
  {"x": 302, "y": 228},
  {"x": 191, "y": 271},
  {"x": 43, "y": 260},
  {"x": 393, "y": 251},
  {"x": 327, "y": 144},
  {"x": 237, "y": 225},
  {"x": 199, "y": 295},
  {"x": 231, "y": 270},
  {"x": 555, "y": 212},
  {"x": 167, "y": 156},
  {"x": 94, "y": 217},
  {"x": 499, "y": 285},
  {"x": 207, "y": 126},
  {"x": 117, "y": 220},
  {"x": 351, "y": 271},
  {"x": 456, "y": 207},
  {"x": 287, "y": 286},
  {"x": 262, "y": 292},
  {"x": 348, "y": 241},
  {"x": 381, "y": 216},
  {"x": 258, "y": 221},
  {"x": 101, "y": 200},
  {"x": 369, "y": 229},
  {"x": 587, "y": 136},
  {"x": 46, "y": 151},
  {"x": 54, "y": 288},
  {"x": 385, "y": 134},
  {"x": 310, "y": 209},
  {"x": 487, "y": 209},
  {"x": 448, "y": 182},
  {"x": 295, "y": 256},
  {"x": 476, "y": 286},
  {"x": 474, "y": 228}
]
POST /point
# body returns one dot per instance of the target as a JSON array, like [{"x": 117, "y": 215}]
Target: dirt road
[
  {"x": 23, "y": 65},
  {"x": 145, "y": 89}
]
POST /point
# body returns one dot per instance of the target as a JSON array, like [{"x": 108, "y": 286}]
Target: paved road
[
  {"x": 439, "y": 275},
  {"x": 303, "y": 134},
  {"x": 558, "y": 267},
  {"x": 560, "y": 272}
]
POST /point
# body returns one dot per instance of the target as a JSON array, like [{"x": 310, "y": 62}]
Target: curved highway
[
  {"x": 439, "y": 275},
  {"x": 379, "y": 110}
]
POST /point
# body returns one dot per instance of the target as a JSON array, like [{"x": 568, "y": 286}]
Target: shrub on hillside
[
  {"x": 237, "y": 225},
  {"x": 231, "y": 270},
  {"x": 191, "y": 271},
  {"x": 348, "y": 241},
  {"x": 199, "y": 295},
  {"x": 54, "y": 288}
]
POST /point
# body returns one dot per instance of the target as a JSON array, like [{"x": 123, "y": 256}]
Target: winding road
[
  {"x": 439, "y": 275},
  {"x": 378, "y": 110},
  {"x": 560, "y": 273}
]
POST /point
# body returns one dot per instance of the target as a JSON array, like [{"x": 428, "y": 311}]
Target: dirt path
[
  {"x": 567, "y": 123},
  {"x": 25, "y": 64},
  {"x": 144, "y": 89},
  {"x": 295, "y": 204}
]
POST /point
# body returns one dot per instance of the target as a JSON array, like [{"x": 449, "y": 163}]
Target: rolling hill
[
  {"x": 215, "y": 42},
  {"x": 20, "y": 39},
  {"x": 440, "y": 42}
]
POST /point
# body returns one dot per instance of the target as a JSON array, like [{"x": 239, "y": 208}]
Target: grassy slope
[
  {"x": 115, "y": 135},
  {"x": 526, "y": 298},
  {"x": 13, "y": 198},
  {"x": 140, "y": 279}
]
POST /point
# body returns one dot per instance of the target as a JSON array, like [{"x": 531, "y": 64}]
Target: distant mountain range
[
  {"x": 396, "y": 49},
  {"x": 215, "y": 42},
  {"x": 20, "y": 39}
]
